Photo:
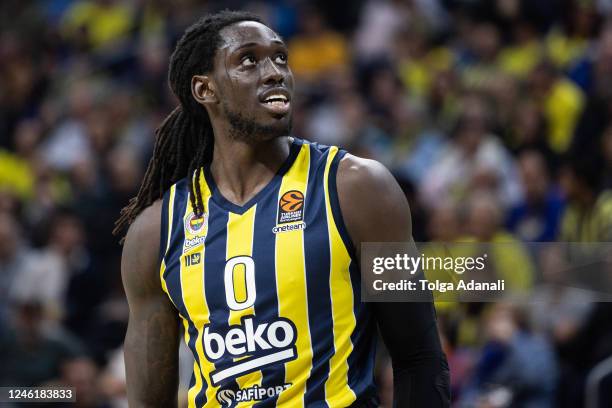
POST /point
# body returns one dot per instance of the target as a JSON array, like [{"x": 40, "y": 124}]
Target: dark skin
[
  {"x": 251, "y": 61},
  {"x": 152, "y": 338}
]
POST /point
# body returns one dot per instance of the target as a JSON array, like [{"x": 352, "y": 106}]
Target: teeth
[
  {"x": 276, "y": 103},
  {"x": 276, "y": 96}
]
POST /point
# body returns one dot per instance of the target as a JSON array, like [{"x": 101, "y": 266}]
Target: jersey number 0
[{"x": 240, "y": 293}]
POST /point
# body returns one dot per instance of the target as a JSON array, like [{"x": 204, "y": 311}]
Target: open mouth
[{"x": 276, "y": 103}]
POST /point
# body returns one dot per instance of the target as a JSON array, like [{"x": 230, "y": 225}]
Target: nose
[{"x": 272, "y": 75}]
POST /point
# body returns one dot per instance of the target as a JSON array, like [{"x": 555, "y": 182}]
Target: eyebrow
[{"x": 253, "y": 44}]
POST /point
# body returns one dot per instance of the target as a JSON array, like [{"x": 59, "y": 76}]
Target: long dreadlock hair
[{"x": 184, "y": 141}]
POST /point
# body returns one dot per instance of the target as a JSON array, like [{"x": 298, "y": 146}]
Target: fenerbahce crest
[
  {"x": 196, "y": 229},
  {"x": 196, "y": 225}
]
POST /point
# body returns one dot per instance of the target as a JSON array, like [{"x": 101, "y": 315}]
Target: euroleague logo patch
[
  {"x": 196, "y": 225},
  {"x": 290, "y": 207},
  {"x": 291, "y": 212}
]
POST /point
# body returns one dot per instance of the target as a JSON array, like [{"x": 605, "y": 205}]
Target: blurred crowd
[{"x": 495, "y": 117}]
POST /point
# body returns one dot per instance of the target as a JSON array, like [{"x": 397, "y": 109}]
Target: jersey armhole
[
  {"x": 163, "y": 234},
  {"x": 334, "y": 202}
]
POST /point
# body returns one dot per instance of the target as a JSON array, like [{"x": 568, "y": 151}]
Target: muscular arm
[
  {"x": 152, "y": 339},
  {"x": 375, "y": 210}
]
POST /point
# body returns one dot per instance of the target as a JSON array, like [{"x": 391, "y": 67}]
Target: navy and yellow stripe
[
  {"x": 319, "y": 299},
  {"x": 291, "y": 278}
]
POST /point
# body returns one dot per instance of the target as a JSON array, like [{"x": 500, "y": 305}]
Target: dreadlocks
[{"x": 184, "y": 141}]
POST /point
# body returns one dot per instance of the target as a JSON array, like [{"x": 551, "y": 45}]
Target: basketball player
[{"x": 248, "y": 241}]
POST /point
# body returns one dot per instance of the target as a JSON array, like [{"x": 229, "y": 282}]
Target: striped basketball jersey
[{"x": 269, "y": 292}]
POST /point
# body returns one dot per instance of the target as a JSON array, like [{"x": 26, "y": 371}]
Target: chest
[{"x": 229, "y": 265}]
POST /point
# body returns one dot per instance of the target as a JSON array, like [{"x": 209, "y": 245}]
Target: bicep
[{"x": 152, "y": 338}]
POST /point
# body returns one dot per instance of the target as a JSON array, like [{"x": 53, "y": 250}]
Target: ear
[{"x": 203, "y": 90}]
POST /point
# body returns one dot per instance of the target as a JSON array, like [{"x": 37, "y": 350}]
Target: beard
[{"x": 247, "y": 129}]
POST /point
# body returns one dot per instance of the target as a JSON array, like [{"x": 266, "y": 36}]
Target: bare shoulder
[
  {"x": 373, "y": 205},
  {"x": 355, "y": 171},
  {"x": 139, "y": 262}
]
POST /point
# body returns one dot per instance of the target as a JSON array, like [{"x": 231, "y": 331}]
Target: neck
[{"x": 242, "y": 169}]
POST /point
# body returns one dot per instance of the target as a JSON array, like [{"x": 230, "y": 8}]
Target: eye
[
  {"x": 248, "y": 61},
  {"x": 280, "y": 59}
]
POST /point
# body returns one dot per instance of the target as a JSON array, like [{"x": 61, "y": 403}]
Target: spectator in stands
[
  {"x": 97, "y": 24},
  {"x": 528, "y": 130},
  {"x": 508, "y": 257},
  {"x": 474, "y": 159},
  {"x": 588, "y": 215},
  {"x": 537, "y": 216},
  {"x": 524, "y": 52},
  {"x": 598, "y": 110},
  {"x": 560, "y": 100},
  {"x": 317, "y": 51},
  {"x": 13, "y": 255},
  {"x": 480, "y": 66},
  {"x": 44, "y": 276},
  {"x": 516, "y": 368},
  {"x": 32, "y": 353},
  {"x": 82, "y": 375},
  {"x": 587, "y": 346}
]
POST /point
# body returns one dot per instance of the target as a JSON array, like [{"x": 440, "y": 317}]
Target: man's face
[{"x": 253, "y": 82}]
